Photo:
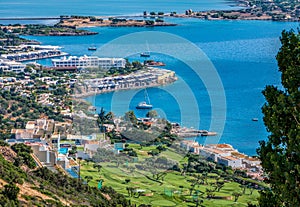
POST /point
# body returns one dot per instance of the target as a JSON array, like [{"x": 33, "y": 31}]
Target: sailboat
[
  {"x": 144, "y": 104},
  {"x": 146, "y": 54}
]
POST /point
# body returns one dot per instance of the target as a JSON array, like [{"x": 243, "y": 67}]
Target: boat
[
  {"x": 145, "y": 54},
  {"x": 255, "y": 119},
  {"x": 144, "y": 104},
  {"x": 92, "y": 48}
]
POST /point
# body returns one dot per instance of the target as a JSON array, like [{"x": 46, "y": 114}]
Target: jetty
[{"x": 185, "y": 132}]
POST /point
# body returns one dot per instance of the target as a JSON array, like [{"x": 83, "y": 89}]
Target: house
[{"x": 230, "y": 161}]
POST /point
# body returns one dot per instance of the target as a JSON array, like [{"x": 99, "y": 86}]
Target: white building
[
  {"x": 89, "y": 62},
  {"x": 213, "y": 153},
  {"x": 230, "y": 161},
  {"x": 11, "y": 66}
]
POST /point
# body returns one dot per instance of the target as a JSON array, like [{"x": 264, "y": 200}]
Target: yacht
[
  {"x": 145, "y": 54},
  {"x": 92, "y": 48},
  {"x": 144, "y": 104}
]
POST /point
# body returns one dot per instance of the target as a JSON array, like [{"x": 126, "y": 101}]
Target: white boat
[
  {"x": 92, "y": 48},
  {"x": 146, "y": 54},
  {"x": 144, "y": 104}
]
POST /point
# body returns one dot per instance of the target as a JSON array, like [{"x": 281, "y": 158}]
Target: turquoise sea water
[
  {"x": 243, "y": 53},
  {"x": 37, "y": 8}
]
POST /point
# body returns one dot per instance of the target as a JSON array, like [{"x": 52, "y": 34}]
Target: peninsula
[
  {"x": 142, "y": 78},
  {"x": 44, "y": 30},
  {"x": 90, "y": 21},
  {"x": 253, "y": 10}
]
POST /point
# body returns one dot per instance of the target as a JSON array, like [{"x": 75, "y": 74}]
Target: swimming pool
[
  {"x": 72, "y": 173},
  {"x": 63, "y": 151}
]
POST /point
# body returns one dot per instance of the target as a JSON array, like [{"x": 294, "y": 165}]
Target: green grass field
[{"x": 155, "y": 194}]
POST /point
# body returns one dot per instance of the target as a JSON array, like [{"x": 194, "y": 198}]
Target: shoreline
[
  {"x": 94, "y": 93},
  {"x": 150, "y": 20},
  {"x": 145, "y": 78}
]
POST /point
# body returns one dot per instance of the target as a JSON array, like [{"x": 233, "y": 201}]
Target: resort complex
[
  {"x": 11, "y": 66},
  {"x": 89, "y": 62},
  {"x": 144, "y": 78}
]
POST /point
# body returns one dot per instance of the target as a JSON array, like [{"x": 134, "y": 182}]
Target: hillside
[{"x": 22, "y": 186}]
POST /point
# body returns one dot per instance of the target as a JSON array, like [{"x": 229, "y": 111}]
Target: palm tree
[
  {"x": 243, "y": 187},
  {"x": 79, "y": 160},
  {"x": 101, "y": 119},
  {"x": 236, "y": 196},
  {"x": 88, "y": 178}
]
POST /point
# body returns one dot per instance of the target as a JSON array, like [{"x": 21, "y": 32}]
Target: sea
[{"x": 239, "y": 60}]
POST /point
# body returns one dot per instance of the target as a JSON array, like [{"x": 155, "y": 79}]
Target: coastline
[
  {"x": 146, "y": 78},
  {"x": 95, "y": 93}
]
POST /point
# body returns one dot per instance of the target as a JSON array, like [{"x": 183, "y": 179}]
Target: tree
[
  {"x": 11, "y": 191},
  {"x": 97, "y": 166},
  {"x": 101, "y": 119},
  {"x": 236, "y": 196},
  {"x": 88, "y": 178},
  {"x": 280, "y": 154},
  {"x": 79, "y": 166},
  {"x": 219, "y": 186},
  {"x": 130, "y": 116},
  {"x": 152, "y": 114},
  {"x": 243, "y": 188}
]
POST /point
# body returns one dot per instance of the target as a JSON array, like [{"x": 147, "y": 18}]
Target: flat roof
[
  {"x": 229, "y": 158},
  {"x": 216, "y": 151}
]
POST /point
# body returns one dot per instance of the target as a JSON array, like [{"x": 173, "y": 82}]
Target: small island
[{"x": 91, "y": 21}]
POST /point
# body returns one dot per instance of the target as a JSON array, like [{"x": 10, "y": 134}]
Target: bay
[{"x": 243, "y": 52}]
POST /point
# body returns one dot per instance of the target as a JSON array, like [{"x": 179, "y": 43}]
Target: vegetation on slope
[
  {"x": 280, "y": 154},
  {"x": 46, "y": 188}
]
